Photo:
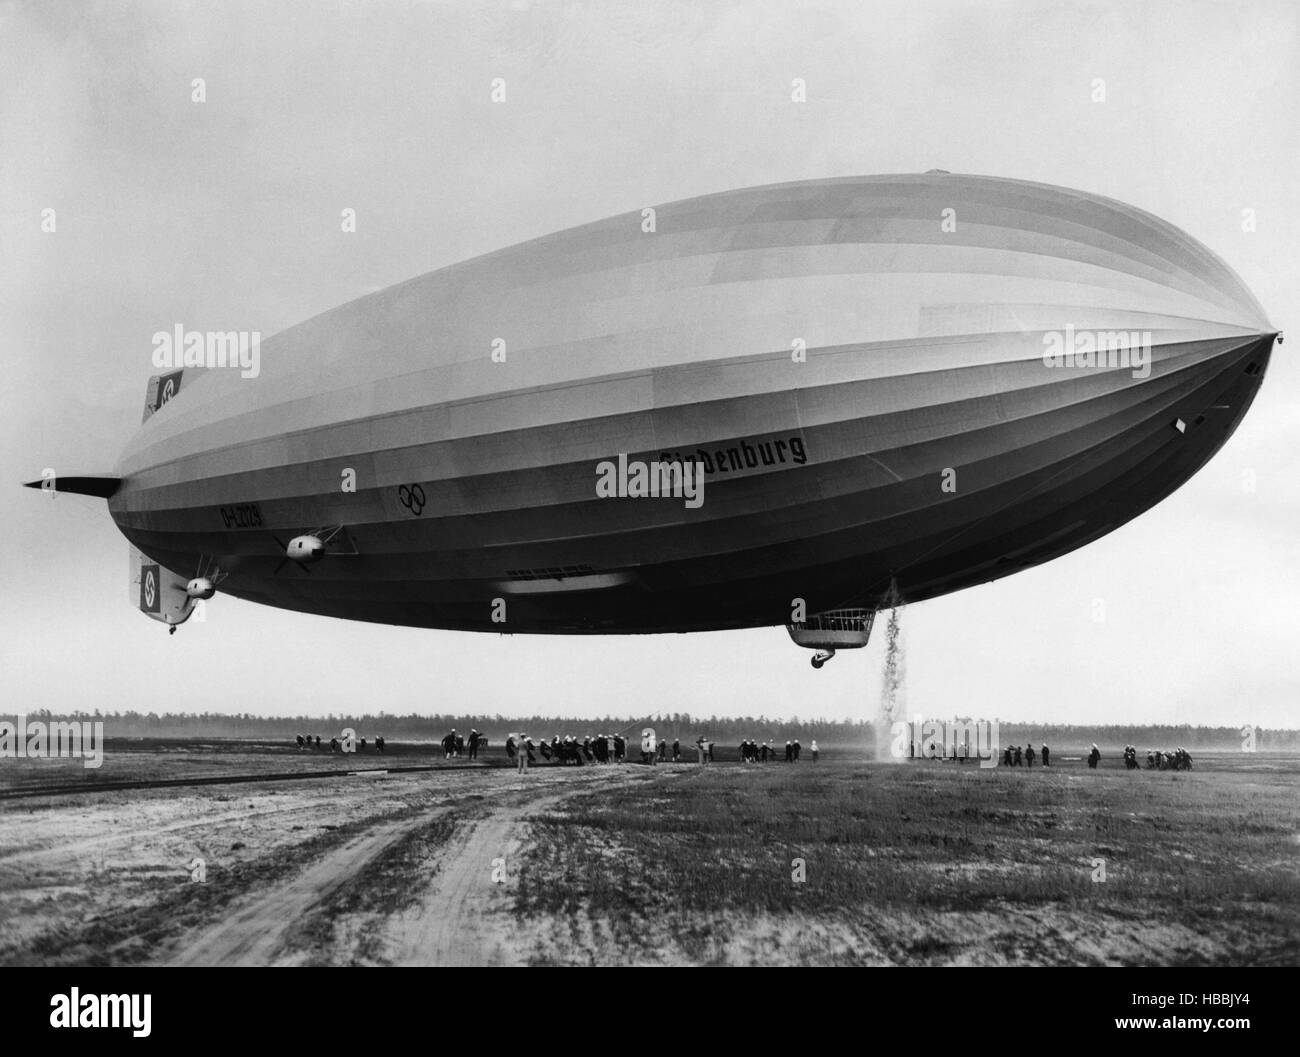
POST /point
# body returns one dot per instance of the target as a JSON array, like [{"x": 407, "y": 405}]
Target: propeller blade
[{"x": 284, "y": 551}]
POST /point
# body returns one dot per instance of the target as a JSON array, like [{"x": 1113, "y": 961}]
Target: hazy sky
[{"x": 225, "y": 214}]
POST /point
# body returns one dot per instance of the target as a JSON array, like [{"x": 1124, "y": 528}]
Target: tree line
[{"x": 415, "y": 726}]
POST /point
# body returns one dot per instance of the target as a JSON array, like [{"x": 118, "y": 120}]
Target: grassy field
[{"x": 924, "y": 862}]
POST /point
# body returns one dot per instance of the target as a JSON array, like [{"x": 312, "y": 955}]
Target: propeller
[
  {"x": 281, "y": 564},
  {"x": 311, "y": 545}
]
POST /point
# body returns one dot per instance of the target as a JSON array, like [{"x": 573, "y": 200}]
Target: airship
[{"x": 792, "y": 404}]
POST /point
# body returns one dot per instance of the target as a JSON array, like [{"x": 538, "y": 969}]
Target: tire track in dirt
[
  {"x": 465, "y": 920},
  {"x": 253, "y": 934}
]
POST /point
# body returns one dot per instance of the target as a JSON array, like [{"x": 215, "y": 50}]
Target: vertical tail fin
[{"x": 161, "y": 388}]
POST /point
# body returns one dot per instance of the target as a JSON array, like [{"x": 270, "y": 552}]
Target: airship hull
[{"x": 858, "y": 368}]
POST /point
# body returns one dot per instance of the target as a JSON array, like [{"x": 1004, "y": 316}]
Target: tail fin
[
  {"x": 99, "y": 485},
  {"x": 159, "y": 593},
  {"x": 161, "y": 388}
]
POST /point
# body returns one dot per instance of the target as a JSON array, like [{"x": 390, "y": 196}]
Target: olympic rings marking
[{"x": 411, "y": 497}]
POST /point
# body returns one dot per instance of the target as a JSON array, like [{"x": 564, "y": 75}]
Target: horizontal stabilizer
[{"x": 99, "y": 485}]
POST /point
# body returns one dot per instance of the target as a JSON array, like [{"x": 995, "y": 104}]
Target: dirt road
[
  {"x": 464, "y": 920},
  {"x": 465, "y": 889},
  {"x": 254, "y": 934}
]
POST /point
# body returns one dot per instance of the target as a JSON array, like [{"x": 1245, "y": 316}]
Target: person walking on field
[
  {"x": 521, "y": 751},
  {"x": 815, "y": 750},
  {"x": 1029, "y": 755}
]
